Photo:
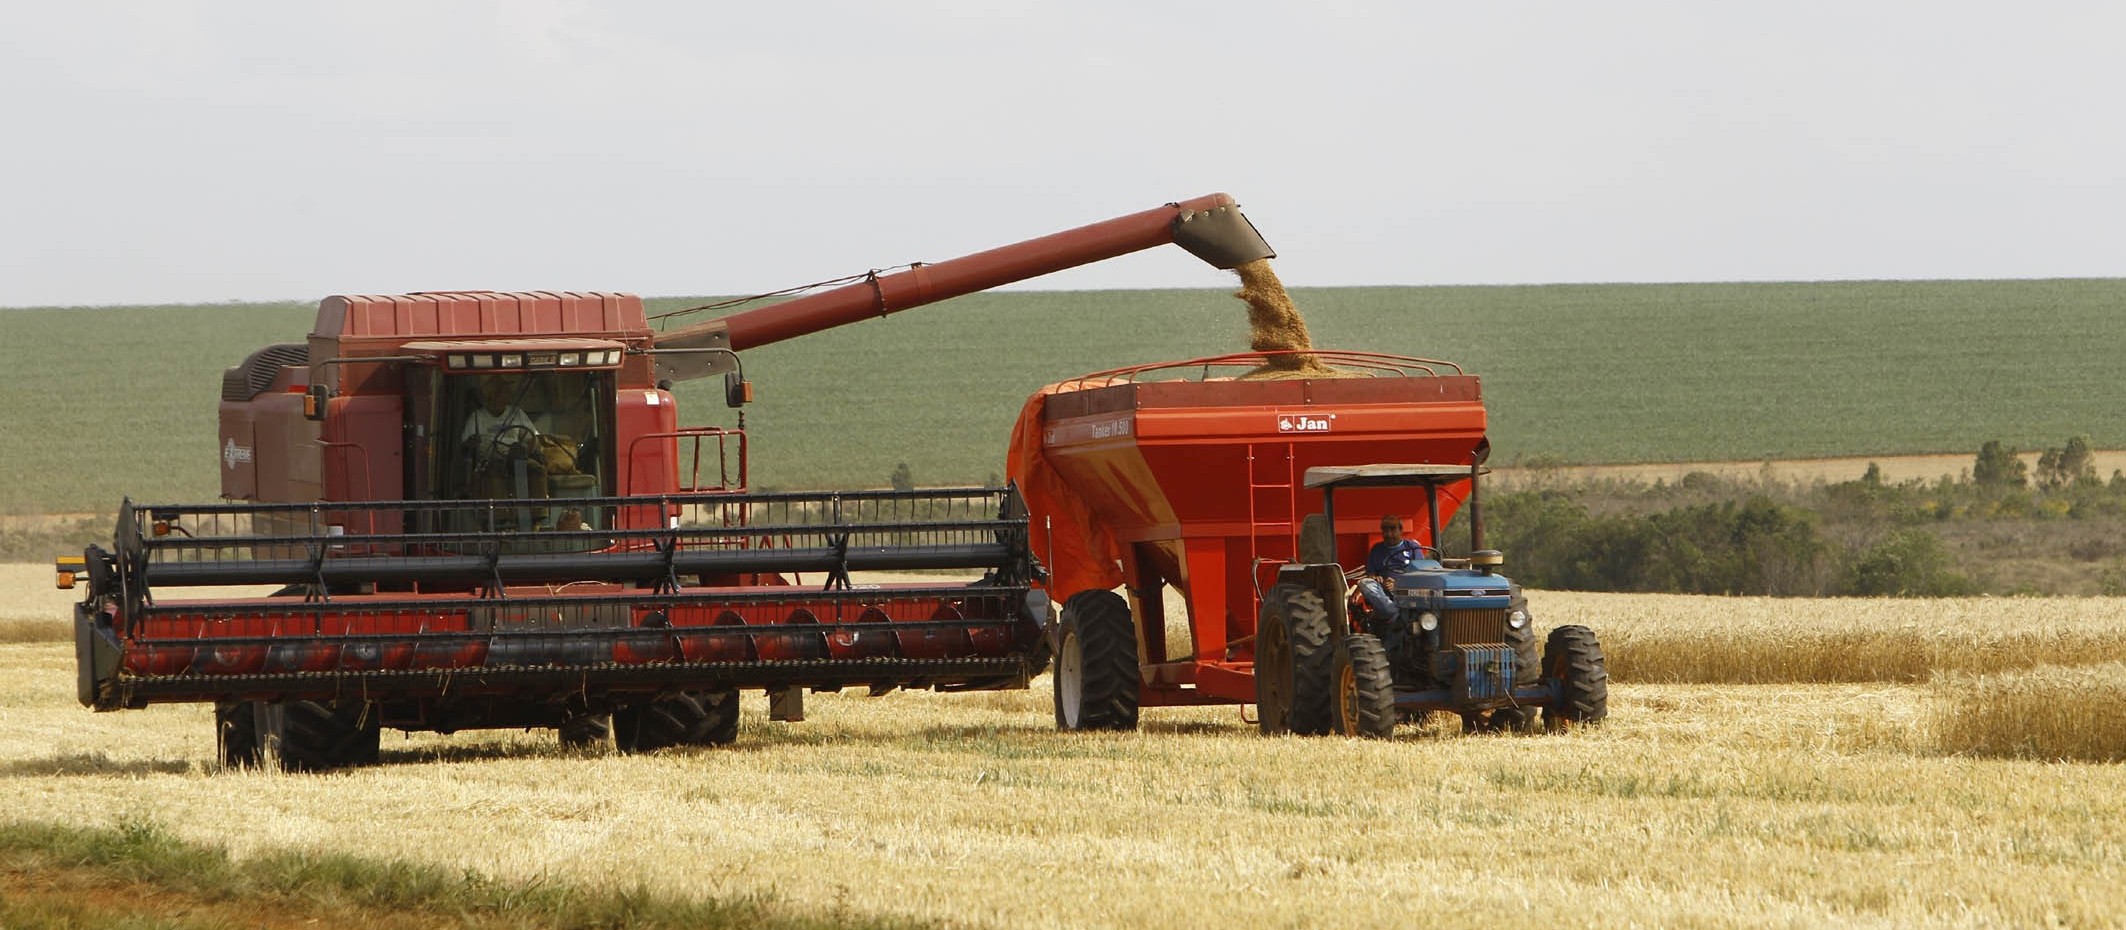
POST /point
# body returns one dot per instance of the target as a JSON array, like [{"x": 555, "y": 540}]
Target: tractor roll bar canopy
[
  {"x": 1386, "y": 476},
  {"x": 1330, "y": 477}
]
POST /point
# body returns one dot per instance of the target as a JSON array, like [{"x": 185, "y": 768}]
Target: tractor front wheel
[
  {"x": 1574, "y": 657},
  {"x": 1096, "y": 677},
  {"x": 1365, "y": 688},
  {"x": 686, "y": 718}
]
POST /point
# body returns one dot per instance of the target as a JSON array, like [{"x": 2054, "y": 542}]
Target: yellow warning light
[
  {"x": 161, "y": 528},
  {"x": 69, "y": 567}
]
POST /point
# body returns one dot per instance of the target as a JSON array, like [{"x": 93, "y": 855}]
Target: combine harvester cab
[{"x": 1253, "y": 501}]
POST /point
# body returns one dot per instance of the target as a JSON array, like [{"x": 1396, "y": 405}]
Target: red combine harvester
[
  {"x": 1248, "y": 498},
  {"x": 481, "y": 511}
]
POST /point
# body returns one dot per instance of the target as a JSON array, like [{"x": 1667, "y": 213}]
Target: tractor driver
[{"x": 1388, "y": 558}]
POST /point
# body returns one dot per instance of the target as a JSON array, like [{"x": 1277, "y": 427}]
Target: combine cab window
[{"x": 526, "y": 436}]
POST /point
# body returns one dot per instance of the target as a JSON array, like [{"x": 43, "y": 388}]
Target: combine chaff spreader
[{"x": 480, "y": 511}]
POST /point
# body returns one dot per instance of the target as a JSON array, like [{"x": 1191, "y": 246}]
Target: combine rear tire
[
  {"x": 688, "y": 718},
  {"x": 1300, "y": 615},
  {"x": 236, "y": 734},
  {"x": 1365, "y": 688},
  {"x": 317, "y": 736},
  {"x": 1574, "y": 657},
  {"x": 1096, "y": 680},
  {"x": 590, "y": 731}
]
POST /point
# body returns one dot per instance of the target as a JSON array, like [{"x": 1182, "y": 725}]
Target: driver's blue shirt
[{"x": 1392, "y": 559}]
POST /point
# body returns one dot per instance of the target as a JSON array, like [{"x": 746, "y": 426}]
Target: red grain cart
[{"x": 1250, "y": 499}]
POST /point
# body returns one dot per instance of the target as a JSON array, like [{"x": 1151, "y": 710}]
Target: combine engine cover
[{"x": 465, "y": 610}]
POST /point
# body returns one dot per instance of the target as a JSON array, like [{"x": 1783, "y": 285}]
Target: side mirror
[
  {"x": 315, "y": 401},
  {"x": 737, "y": 391}
]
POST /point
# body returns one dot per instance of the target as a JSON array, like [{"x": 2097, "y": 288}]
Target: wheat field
[
  {"x": 1768, "y": 762},
  {"x": 1720, "y": 640},
  {"x": 1696, "y": 805}
]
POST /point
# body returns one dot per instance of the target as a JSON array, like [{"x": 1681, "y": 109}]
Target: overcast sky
[{"x": 189, "y": 151}]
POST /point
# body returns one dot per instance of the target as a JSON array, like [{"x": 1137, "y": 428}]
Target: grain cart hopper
[
  {"x": 479, "y": 510},
  {"x": 1248, "y": 499}
]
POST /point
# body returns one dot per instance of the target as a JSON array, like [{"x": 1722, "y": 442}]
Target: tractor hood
[{"x": 1430, "y": 584}]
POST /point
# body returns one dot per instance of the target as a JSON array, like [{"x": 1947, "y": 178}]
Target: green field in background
[{"x": 96, "y": 404}]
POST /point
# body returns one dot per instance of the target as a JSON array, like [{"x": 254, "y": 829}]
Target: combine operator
[{"x": 1388, "y": 558}]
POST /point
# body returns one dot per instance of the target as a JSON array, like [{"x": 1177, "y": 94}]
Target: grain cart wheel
[
  {"x": 685, "y": 718},
  {"x": 1574, "y": 657},
  {"x": 1273, "y": 670},
  {"x": 1294, "y": 662},
  {"x": 589, "y": 731},
  {"x": 317, "y": 736},
  {"x": 236, "y": 733},
  {"x": 1365, "y": 689},
  {"x": 1096, "y": 663}
]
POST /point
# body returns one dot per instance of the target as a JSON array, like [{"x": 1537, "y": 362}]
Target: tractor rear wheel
[
  {"x": 589, "y": 731},
  {"x": 1295, "y": 655},
  {"x": 686, "y": 718},
  {"x": 317, "y": 736},
  {"x": 1574, "y": 657},
  {"x": 1365, "y": 688},
  {"x": 236, "y": 733},
  {"x": 1096, "y": 677}
]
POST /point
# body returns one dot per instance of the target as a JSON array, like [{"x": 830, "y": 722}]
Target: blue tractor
[{"x": 1453, "y": 634}]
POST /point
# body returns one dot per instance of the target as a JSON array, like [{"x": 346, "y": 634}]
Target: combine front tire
[
  {"x": 1574, "y": 657},
  {"x": 317, "y": 736},
  {"x": 1303, "y": 663},
  {"x": 688, "y": 718},
  {"x": 236, "y": 733},
  {"x": 590, "y": 731},
  {"x": 1365, "y": 688},
  {"x": 1096, "y": 676}
]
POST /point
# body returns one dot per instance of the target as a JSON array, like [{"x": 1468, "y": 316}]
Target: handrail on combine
[
  {"x": 1349, "y": 362},
  {"x": 693, "y": 485}
]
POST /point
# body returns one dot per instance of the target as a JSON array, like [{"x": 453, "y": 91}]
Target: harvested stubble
[
  {"x": 2047, "y": 712},
  {"x": 1693, "y": 806},
  {"x": 1760, "y": 640}
]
